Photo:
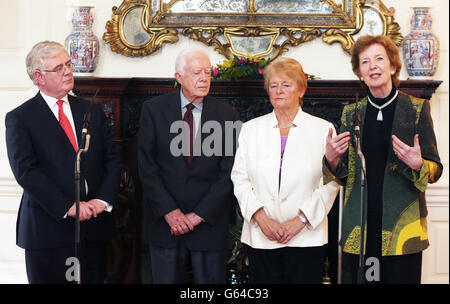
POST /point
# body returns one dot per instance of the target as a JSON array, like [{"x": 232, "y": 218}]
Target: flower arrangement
[
  {"x": 235, "y": 68},
  {"x": 250, "y": 67}
]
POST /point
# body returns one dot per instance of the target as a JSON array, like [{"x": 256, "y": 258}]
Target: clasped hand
[
  {"x": 279, "y": 232},
  {"x": 181, "y": 223},
  {"x": 87, "y": 209}
]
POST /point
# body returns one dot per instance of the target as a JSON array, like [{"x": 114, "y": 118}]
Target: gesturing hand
[
  {"x": 336, "y": 146},
  {"x": 178, "y": 222},
  {"x": 411, "y": 156}
]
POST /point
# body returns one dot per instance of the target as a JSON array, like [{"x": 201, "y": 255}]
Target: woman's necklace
[
  {"x": 380, "y": 114},
  {"x": 285, "y": 127}
]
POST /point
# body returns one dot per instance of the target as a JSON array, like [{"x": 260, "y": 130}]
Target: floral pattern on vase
[
  {"x": 82, "y": 45},
  {"x": 421, "y": 47}
]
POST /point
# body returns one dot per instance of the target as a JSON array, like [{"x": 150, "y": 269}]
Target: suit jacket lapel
[
  {"x": 172, "y": 111},
  {"x": 404, "y": 118},
  {"x": 208, "y": 113},
  {"x": 50, "y": 122},
  {"x": 403, "y": 126}
]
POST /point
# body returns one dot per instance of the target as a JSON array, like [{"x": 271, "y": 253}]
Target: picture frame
[{"x": 245, "y": 28}]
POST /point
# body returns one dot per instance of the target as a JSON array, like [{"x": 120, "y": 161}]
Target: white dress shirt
[
  {"x": 196, "y": 111},
  {"x": 52, "y": 104}
]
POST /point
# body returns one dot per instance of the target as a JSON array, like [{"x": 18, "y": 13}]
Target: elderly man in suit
[
  {"x": 187, "y": 197},
  {"x": 42, "y": 137}
]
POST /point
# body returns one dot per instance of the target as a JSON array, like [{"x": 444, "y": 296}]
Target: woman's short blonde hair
[
  {"x": 39, "y": 52},
  {"x": 391, "y": 50},
  {"x": 288, "y": 67}
]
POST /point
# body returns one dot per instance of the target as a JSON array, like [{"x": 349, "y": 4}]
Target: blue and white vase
[
  {"x": 421, "y": 47},
  {"x": 82, "y": 45}
]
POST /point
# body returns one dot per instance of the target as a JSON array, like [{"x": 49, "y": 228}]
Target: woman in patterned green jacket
[{"x": 399, "y": 145}]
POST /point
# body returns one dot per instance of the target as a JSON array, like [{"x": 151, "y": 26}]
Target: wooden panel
[{"x": 123, "y": 97}]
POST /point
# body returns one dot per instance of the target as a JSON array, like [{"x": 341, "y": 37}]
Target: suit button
[{"x": 283, "y": 199}]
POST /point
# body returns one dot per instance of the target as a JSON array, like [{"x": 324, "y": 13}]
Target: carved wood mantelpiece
[{"x": 123, "y": 97}]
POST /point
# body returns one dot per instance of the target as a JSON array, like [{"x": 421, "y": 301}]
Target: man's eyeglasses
[{"x": 60, "y": 68}]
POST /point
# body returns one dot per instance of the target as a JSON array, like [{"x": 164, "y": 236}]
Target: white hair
[
  {"x": 39, "y": 52},
  {"x": 182, "y": 58}
]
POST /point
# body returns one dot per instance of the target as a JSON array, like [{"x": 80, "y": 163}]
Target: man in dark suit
[
  {"x": 187, "y": 197},
  {"x": 42, "y": 137}
]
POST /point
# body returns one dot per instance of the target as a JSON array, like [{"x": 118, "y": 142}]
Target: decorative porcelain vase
[
  {"x": 421, "y": 47},
  {"x": 82, "y": 45}
]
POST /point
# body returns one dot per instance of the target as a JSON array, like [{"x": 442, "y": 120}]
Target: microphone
[
  {"x": 87, "y": 121},
  {"x": 357, "y": 122},
  {"x": 357, "y": 134},
  {"x": 357, "y": 127}
]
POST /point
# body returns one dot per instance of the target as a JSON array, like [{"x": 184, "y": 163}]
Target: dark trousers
[
  {"x": 48, "y": 266},
  {"x": 287, "y": 265},
  {"x": 397, "y": 269},
  {"x": 170, "y": 265}
]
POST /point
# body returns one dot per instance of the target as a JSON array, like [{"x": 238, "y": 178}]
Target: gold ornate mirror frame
[{"x": 257, "y": 28}]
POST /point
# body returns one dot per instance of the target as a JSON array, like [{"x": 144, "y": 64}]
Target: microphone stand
[
  {"x": 77, "y": 202},
  {"x": 341, "y": 208},
  {"x": 360, "y": 279},
  {"x": 86, "y": 139}
]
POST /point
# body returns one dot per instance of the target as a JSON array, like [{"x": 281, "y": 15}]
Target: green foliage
[{"x": 235, "y": 68}]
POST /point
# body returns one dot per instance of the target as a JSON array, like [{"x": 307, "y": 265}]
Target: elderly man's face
[
  {"x": 196, "y": 78},
  {"x": 58, "y": 81}
]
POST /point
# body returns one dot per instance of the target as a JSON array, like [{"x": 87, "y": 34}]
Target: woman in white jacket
[{"x": 277, "y": 177}]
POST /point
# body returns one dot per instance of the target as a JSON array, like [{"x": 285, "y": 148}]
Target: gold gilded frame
[{"x": 141, "y": 27}]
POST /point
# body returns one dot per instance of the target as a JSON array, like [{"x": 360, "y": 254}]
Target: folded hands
[
  {"x": 87, "y": 209},
  {"x": 181, "y": 223},
  {"x": 279, "y": 232}
]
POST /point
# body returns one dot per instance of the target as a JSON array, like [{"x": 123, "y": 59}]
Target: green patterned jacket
[{"x": 404, "y": 226}]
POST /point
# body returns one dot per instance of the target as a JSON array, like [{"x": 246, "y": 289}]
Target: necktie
[
  {"x": 65, "y": 124},
  {"x": 189, "y": 118}
]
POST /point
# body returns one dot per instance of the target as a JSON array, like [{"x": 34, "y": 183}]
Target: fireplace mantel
[{"x": 122, "y": 97}]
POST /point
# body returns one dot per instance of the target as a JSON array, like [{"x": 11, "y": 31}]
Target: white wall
[{"x": 26, "y": 22}]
